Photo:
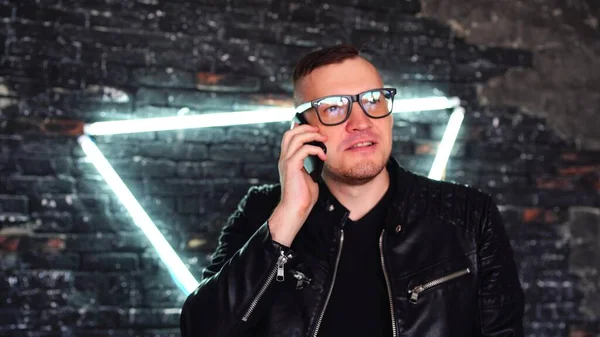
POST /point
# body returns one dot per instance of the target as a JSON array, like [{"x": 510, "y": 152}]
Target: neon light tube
[
  {"x": 267, "y": 115},
  {"x": 181, "y": 275},
  {"x": 447, "y": 143}
]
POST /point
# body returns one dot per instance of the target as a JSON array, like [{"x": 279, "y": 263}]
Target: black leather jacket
[{"x": 448, "y": 265}]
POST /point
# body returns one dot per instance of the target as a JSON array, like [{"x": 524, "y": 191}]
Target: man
[{"x": 371, "y": 249}]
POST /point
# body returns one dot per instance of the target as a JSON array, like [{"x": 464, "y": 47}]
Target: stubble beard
[{"x": 358, "y": 174}]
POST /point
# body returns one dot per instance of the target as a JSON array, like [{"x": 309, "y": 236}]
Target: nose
[{"x": 358, "y": 120}]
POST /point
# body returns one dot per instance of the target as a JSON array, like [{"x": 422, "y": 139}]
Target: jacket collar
[{"x": 401, "y": 181}]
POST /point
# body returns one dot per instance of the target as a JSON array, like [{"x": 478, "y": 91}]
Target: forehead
[{"x": 348, "y": 77}]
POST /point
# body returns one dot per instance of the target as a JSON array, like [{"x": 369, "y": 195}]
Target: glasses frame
[{"x": 302, "y": 108}]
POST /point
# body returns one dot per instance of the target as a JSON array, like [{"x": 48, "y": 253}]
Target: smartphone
[{"x": 312, "y": 164}]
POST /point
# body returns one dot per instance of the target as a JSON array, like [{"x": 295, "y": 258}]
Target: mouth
[{"x": 362, "y": 146}]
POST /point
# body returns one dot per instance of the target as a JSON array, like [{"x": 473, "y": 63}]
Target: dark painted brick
[
  {"x": 110, "y": 261},
  {"x": 77, "y": 74},
  {"x": 52, "y": 15},
  {"x": 224, "y": 201},
  {"x": 153, "y": 205},
  {"x": 200, "y": 57},
  {"x": 150, "y": 111},
  {"x": 141, "y": 18},
  {"x": 15, "y": 220},
  {"x": 227, "y": 82},
  {"x": 14, "y": 204},
  {"x": 105, "y": 222},
  {"x": 7, "y": 163},
  {"x": 43, "y": 166},
  {"x": 207, "y": 169},
  {"x": 194, "y": 261},
  {"x": 149, "y": 96},
  {"x": 437, "y": 132},
  {"x": 53, "y": 222},
  {"x": 34, "y": 279},
  {"x": 99, "y": 111},
  {"x": 144, "y": 167},
  {"x": 168, "y": 77},
  {"x": 173, "y": 298},
  {"x": 123, "y": 242},
  {"x": 202, "y": 101},
  {"x": 403, "y": 147},
  {"x": 159, "y": 318},
  {"x": 180, "y": 187},
  {"x": 93, "y": 184},
  {"x": 45, "y": 49},
  {"x": 113, "y": 36},
  {"x": 175, "y": 151},
  {"x": 418, "y": 164},
  {"x": 160, "y": 333},
  {"x": 40, "y": 185},
  {"x": 81, "y": 203},
  {"x": 193, "y": 205},
  {"x": 247, "y": 101},
  {"x": 205, "y": 135},
  {"x": 62, "y": 146},
  {"x": 240, "y": 153},
  {"x": 251, "y": 135},
  {"x": 260, "y": 170},
  {"x": 431, "y": 148},
  {"x": 44, "y": 260},
  {"x": 36, "y": 299}
]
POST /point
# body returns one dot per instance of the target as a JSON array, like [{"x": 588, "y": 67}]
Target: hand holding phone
[
  {"x": 302, "y": 149},
  {"x": 312, "y": 164}
]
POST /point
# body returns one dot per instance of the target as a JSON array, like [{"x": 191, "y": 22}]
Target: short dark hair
[{"x": 322, "y": 57}]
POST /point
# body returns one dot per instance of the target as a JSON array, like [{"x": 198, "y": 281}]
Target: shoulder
[
  {"x": 458, "y": 203},
  {"x": 264, "y": 191},
  {"x": 260, "y": 199}
]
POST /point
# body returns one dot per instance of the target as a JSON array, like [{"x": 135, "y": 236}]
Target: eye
[
  {"x": 332, "y": 105},
  {"x": 372, "y": 97},
  {"x": 332, "y": 109}
]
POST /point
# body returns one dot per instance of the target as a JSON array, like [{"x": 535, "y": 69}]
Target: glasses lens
[
  {"x": 377, "y": 103},
  {"x": 333, "y": 109}
]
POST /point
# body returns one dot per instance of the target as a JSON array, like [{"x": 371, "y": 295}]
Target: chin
[{"x": 358, "y": 173}]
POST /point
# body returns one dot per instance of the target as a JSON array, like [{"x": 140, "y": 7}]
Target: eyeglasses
[{"x": 335, "y": 109}]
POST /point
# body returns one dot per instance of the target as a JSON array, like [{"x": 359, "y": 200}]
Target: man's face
[{"x": 347, "y": 164}]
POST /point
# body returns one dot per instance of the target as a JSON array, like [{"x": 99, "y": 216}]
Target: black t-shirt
[{"x": 359, "y": 304}]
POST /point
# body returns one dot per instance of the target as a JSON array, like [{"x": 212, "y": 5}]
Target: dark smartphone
[{"x": 312, "y": 164}]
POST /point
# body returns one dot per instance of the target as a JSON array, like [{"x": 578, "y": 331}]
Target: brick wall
[{"x": 72, "y": 263}]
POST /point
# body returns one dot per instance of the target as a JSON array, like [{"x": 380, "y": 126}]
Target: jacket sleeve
[
  {"x": 501, "y": 298},
  {"x": 236, "y": 286}
]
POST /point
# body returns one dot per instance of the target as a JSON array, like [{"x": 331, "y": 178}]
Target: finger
[
  {"x": 298, "y": 141},
  {"x": 300, "y": 128},
  {"x": 297, "y": 160}
]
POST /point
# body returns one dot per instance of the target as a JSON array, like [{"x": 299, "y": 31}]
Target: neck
[{"x": 360, "y": 199}]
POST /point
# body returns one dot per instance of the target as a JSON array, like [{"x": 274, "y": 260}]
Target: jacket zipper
[
  {"x": 387, "y": 283},
  {"x": 278, "y": 271},
  {"x": 301, "y": 279},
  {"x": 337, "y": 261},
  {"x": 414, "y": 293}
]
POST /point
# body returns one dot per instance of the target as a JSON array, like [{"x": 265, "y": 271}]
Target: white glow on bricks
[
  {"x": 182, "y": 276},
  {"x": 425, "y": 104},
  {"x": 445, "y": 148},
  {"x": 267, "y": 115}
]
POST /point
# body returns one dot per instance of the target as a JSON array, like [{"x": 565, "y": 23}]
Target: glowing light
[
  {"x": 182, "y": 276},
  {"x": 267, "y": 115},
  {"x": 447, "y": 143}
]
